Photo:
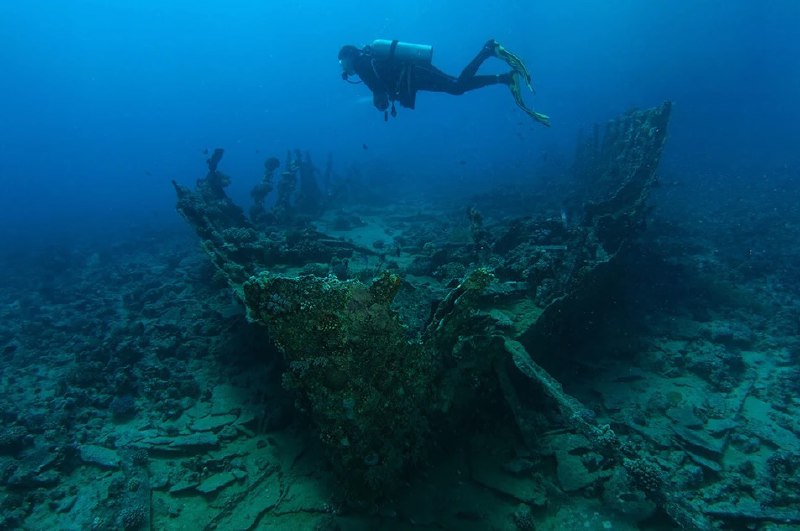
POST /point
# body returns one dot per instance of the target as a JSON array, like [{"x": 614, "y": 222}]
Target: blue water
[{"x": 103, "y": 102}]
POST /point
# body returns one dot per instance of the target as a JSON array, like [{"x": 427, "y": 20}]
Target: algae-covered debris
[
  {"x": 375, "y": 391},
  {"x": 365, "y": 383},
  {"x": 389, "y": 359}
]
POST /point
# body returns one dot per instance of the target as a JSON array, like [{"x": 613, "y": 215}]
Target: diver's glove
[{"x": 513, "y": 86}]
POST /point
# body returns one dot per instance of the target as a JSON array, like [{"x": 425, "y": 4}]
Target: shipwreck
[{"x": 391, "y": 348}]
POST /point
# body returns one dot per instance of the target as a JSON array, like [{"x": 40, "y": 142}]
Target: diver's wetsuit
[{"x": 394, "y": 80}]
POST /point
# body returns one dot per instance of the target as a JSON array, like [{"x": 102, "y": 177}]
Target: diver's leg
[
  {"x": 486, "y": 52},
  {"x": 476, "y": 82},
  {"x": 515, "y": 92},
  {"x": 492, "y": 48},
  {"x": 457, "y": 85},
  {"x": 431, "y": 79},
  {"x": 514, "y": 62}
]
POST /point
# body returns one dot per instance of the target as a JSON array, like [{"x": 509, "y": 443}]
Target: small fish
[
  {"x": 364, "y": 147},
  {"x": 462, "y": 162},
  {"x": 205, "y": 151}
]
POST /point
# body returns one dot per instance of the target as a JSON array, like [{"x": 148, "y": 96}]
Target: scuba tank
[{"x": 402, "y": 51}]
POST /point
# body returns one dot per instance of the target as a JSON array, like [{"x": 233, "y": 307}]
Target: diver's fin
[
  {"x": 515, "y": 92},
  {"x": 539, "y": 117},
  {"x": 514, "y": 62}
]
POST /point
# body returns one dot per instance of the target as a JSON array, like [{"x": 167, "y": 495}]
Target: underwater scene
[{"x": 404, "y": 265}]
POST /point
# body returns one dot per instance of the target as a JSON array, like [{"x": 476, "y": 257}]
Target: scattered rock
[
  {"x": 180, "y": 443},
  {"x": 572, "y": 474},
  {"x": 686, "y": 417},
  {"x": 129, "y": 437},
  {"x": 704, "y": 462},
  {"x": 99, "y": 455},
  {"x": 700, "y": 442},
  {"x": 183, "y": 486},
  {"x": 622, "y": 497},
  {"x": 729, "y": 333},
  {"x": 523, "y": 489},
  {"x": 223, "y": 455},
  {"x": 248, "y": 419},
  {"x": 719, "y": 365},
  {"x": 571, "y": 451},
  {"x": 228, "y": 433},
  {"x": 66, "y": 504},
  {"x": 719, "y": 427},
  {"x": 159, "y": 481},
  {"x": 761, "y": 422},
  {"x": 247, "y": 513},
  {"x": 752, "y": 511},
  {"x": 244, "y": 430},
  {"x": 212, "y": 422},
  {"x": 31, "y": 479},
  {"x": 202, "y": 440},
  {"x": 216, "y": 482},
  {"x": 501, "y": 319},
  {"x": 519, "y": 466},
  {"x": 12, "y": 439}
]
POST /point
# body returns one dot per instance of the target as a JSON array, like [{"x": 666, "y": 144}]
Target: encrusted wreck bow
[{"x": 380, "y": 385}]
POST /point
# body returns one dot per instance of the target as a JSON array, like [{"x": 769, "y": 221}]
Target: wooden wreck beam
[{"x": 645, "y": 475}]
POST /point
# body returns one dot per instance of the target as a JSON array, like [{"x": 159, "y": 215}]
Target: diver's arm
[
  {"x": 368, "y": 70},
  {"x": 380, "y": 100}
]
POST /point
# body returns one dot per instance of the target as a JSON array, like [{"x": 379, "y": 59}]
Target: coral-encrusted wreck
[{"x": 384, "y": 362}]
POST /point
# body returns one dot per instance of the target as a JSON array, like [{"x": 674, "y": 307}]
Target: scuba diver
[{"x": 395, "y": 71}]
